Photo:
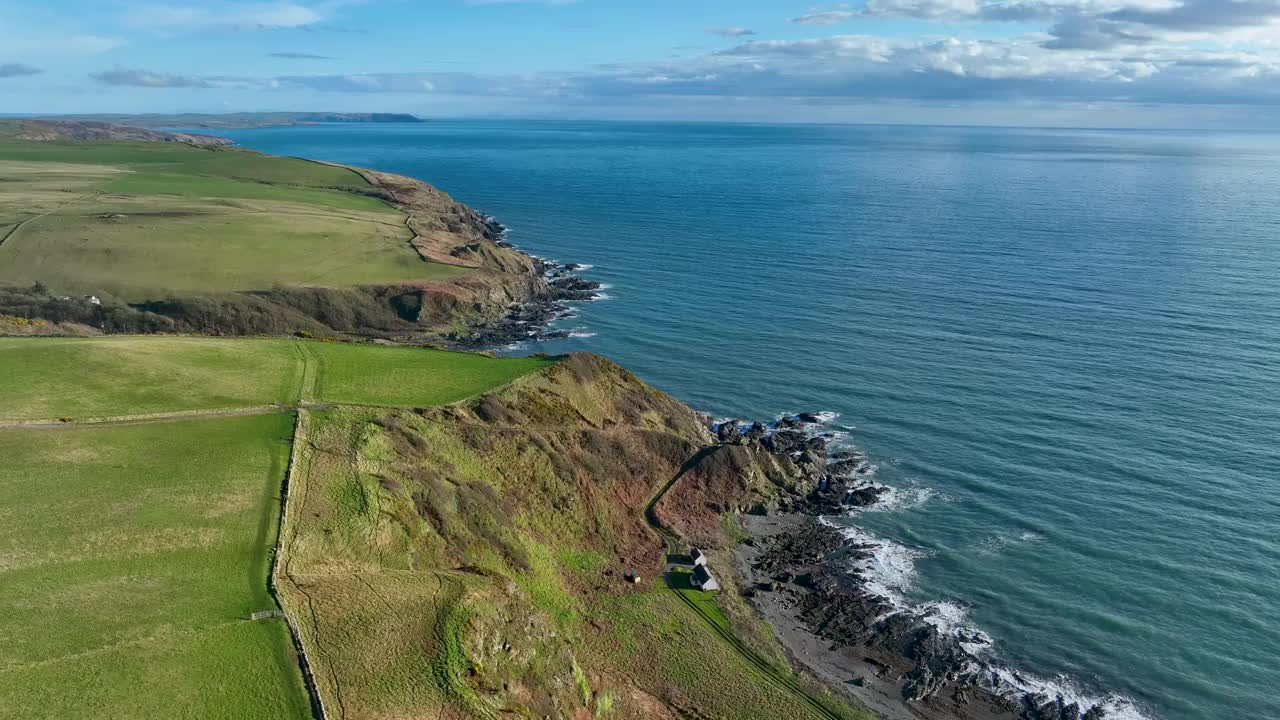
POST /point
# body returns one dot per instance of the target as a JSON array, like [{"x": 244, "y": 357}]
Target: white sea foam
[
  {"x": 580, "y": 333},
  {"x": 582, "y": 267},
  {"x": 999, "y": 541},
  {"x": 825, "y": 417},
  {"x": 953, "y": 619},
  {"x": 888, "y": 572},
  {"x": 888, "y": 569},
  {"x": 1012, "y": 683},
  {"x": 601, "y": 296},
  {"x": 897, "y": 498}
]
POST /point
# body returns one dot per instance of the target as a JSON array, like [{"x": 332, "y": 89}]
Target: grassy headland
[
  {"x": 471, "y": 562},
  {"x": 184, "y": 233}
]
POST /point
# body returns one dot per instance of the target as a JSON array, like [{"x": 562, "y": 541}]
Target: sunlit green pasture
[
  {"x": 144, "y": 221},
  {"x": 84, "y": 378},
  {"x": 130, "y": 560}
]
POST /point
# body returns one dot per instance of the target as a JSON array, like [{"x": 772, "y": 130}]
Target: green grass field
[
  {"x": 174, "y": 157},
  {"x": 143, "y": 221},
  {"x": 115, "y": 376},
  {"x": 410, "y": 377},
  {"x": 194, "y": 248},
  {"x": 201, "y": 186},
  {"x": 84, "y": 378},
  {"x": 130, "y": 560}
]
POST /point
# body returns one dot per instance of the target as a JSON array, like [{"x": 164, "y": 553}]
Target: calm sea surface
[{"x": 1062, "y": 347}]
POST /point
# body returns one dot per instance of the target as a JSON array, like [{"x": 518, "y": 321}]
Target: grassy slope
[
  {"x": 130, "y": 558},
  {"x": 196, "y": 220},
  {"x": 114, "y": 376},
  {"x": 471, "y": 565}
]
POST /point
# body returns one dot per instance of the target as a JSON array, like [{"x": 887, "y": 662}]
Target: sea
[{"x": 1060, "y": 347}]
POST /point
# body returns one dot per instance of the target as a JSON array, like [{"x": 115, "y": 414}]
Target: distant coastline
[{"x": 240, "y": 121}]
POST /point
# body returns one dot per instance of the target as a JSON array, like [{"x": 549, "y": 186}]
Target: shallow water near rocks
[{"x": 1063, "y": 347}]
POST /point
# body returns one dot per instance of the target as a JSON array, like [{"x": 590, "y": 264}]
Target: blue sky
[{"x": 1110, "y": 63}]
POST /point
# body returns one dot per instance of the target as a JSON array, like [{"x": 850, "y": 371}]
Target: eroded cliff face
[{"x": 495, "y": 543}]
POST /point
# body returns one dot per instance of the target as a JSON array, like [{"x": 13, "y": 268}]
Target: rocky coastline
[
  {"x": 531, "y": 320},
  {"x": 815, "y": 587}
]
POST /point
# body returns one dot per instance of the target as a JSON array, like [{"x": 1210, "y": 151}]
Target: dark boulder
[
  {"x": 728, "y": 432},
  {"x": 865, "y": 496},
  {"x": 783, "y": 442}
]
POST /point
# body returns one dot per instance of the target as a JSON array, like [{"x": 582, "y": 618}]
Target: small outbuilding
[
  {"x": 697, "y": 557},
  {"x": 633, "y": 578},
  {"x": 704, "y": 580}
]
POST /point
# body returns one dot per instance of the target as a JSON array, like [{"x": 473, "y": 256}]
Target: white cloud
[
  {"x": 143, "y": 78},
  {"x": 266, "y": 16},
  {"x": 58, "y": 45},
  {"x": 833, "y": 16},
  {"x": 1087, "y": 24},
  {"x": 1083, "y": 52},
  {"x": 731, "y": 31}
]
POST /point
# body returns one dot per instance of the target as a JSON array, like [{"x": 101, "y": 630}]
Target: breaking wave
[{"x": 888, "y": 570}]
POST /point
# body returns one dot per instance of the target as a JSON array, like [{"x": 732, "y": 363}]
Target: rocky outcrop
[{"x": 827, "y": 582}]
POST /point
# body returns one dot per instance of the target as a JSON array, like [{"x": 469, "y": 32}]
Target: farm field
[
  {"x": 144, "y": 221},
  {"x": 131, "y": 558},
  {"x": 201, "y": 186},
  {"x": 409, "y": 377},
  {"x": 84, "y": 378}
]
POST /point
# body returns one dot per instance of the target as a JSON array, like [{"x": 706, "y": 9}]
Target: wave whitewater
[{"x": 887, "y": 570}]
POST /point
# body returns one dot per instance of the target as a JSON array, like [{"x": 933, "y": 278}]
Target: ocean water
[{"x": 1061, "y": 347}]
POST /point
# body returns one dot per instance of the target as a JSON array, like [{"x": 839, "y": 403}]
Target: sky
[{"x": 1079, "y": 63}]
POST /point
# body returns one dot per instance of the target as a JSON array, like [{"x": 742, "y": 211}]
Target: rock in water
[
  {"x": 784, "y": 441},
  {"x": 728, "y": 432}
]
